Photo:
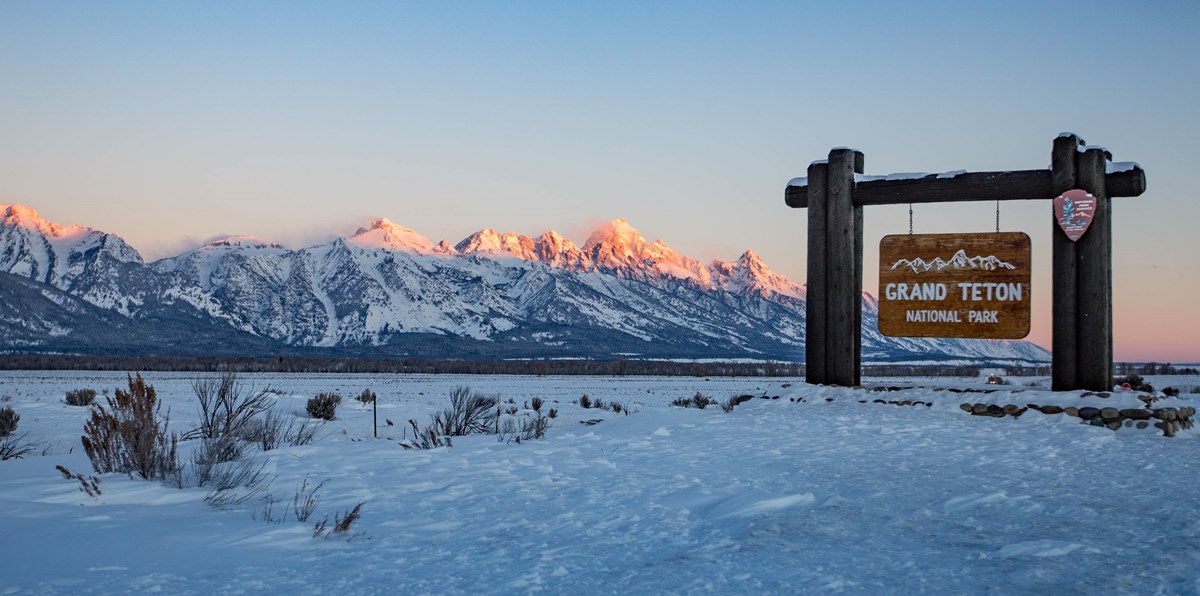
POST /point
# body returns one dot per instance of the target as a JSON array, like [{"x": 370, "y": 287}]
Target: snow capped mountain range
[{"x": 389, "y": 291}]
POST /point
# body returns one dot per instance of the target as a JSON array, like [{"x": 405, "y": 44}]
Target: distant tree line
[
  {"x": 1153, "y": 368},
  {"x": 619, "y": 367},
  {"x": 316, "y": 364},
  {"x": 919, "y": 370}
]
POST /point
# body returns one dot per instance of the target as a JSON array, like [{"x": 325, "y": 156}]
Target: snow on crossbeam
[{"x": 1125, "y": 179}]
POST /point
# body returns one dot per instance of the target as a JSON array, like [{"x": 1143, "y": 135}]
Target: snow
[
  {"x": 780, "y": 496},
  {"x": 860, "y": 178},
  {"x": 385, "y": 234},
  {"x": 1112, "y": 167},
  {"x": 951, "y": 174}
]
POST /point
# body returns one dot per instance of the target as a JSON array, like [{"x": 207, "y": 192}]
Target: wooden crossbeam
[{"x": 1020, "y": 185}]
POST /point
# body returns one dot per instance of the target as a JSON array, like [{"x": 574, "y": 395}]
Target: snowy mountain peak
[
  {"x": 617, "y": 245},
  {"x": 751, "y": 274},
  {"x": 487, "y": 241},
  {"x": 24, "y": 217},
  {"x": 387, "y": 235},
  {"x": 556, "y": 251},
  {"x": 444, "y": 248},
  {"x": 751, "y": 261},
  {"x": 617, "y": 232}
]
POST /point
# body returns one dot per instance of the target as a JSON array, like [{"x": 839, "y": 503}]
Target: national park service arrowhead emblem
[{"x": 1074, "y": 210}]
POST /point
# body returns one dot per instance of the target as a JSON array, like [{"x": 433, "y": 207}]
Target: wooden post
[
  {"x": 1064, "y": 339},
  {"x": 1093, "y": 255},
  {"x": 858, "y": 274},
  {"x": 843, "y": 274},
  {"x": 815, "y": 305}
]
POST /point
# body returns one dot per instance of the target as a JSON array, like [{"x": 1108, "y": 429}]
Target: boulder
[
  {"x": 1110, "y": 414},
  {"x": 1071, "y": 411},
  {"x": 979, "y": 409},
  {"x": 965, "y": 407},
  {"x": 1052, "y": 410},
  {"x": 1012, "y": 410},
  {"x": 1165, "y": 413},
  {"x": 1135, "y": 414},
  {"x": 1087, "y": 413}
]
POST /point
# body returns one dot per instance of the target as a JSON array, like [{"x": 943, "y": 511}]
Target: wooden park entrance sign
[
  {"x": 835, "y": 192},
  {"x": 954, "y": 285}
]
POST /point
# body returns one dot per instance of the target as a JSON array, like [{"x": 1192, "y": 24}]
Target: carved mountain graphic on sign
[{"x": 960, "y": 260}]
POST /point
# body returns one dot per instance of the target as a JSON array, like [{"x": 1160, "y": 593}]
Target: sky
[{"x": 168, "y": 123}]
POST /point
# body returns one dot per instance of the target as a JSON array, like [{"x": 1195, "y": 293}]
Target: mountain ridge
[{"x": 387, "y": 286}]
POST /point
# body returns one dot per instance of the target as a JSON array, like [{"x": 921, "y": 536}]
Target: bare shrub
[
  {"x": 324, "y": 406},
  {"x": 536, "y": 403},
  {"x": 15, "y": 447},
  {"x": 233, "y": 483},
  {"x": 8, "y": 421},
  {"x": 274, "y": 430},
  {"x": 553, "y": 413},
  {"x": 698, "y": 401},
  {"x": 89, "y": 485},
  {"x": 227, "y": 405},
  {"x": 268, "y": 511},
  {"x": 616, "y": 407},
  {"x": 469, "y": 414},
  {"x": 533, "y": 428},
  {"x": 425, "y": 438},
  {"x": 81, "y": 397},
  {"x": 366, "y": 397},
  {"x": 585, "y": 402},
  {"x": 728, "y": 405},
  {"x": 129, "y": 437},
  {"x": 305, "y": 501},
  {"x": 212, "y": 452},
  {"x": 341, "y": 523}
]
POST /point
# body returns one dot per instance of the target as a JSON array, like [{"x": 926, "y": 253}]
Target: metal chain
[
  {"x": 997, "y": 216},
  {"x": 910, "y": 219}
]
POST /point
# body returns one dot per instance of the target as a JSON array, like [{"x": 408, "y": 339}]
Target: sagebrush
[
  {"x": 130, "y": 437},
  {"x": 8, "y": 421},
  {"x": 324, "y": 406},
  {"x": 81, "y": 397}
]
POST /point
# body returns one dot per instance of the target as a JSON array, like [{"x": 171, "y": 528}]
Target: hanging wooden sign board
[{"x": 955, "y": 285}]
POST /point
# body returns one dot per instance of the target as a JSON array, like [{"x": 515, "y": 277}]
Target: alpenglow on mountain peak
[{"x": 384, "y": 234}]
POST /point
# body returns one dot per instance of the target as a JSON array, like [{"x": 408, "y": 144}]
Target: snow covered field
[{"x": 822, "y": 495}]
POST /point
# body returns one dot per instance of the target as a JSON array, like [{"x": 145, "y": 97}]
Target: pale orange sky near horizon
[{"x": 170, "y": 123}]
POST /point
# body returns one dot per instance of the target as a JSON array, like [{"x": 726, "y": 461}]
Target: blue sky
[{"x": 169, "y": 123}]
